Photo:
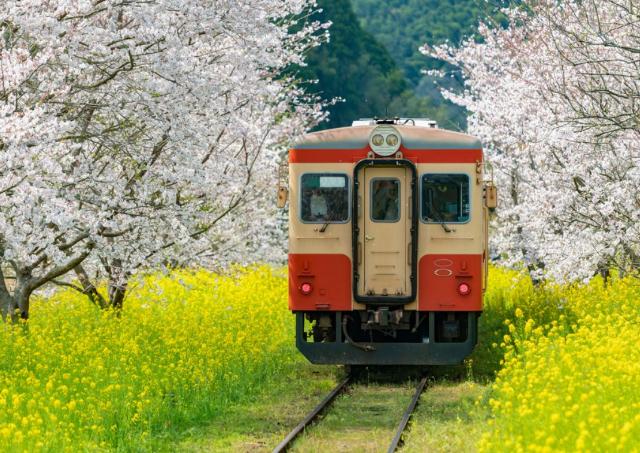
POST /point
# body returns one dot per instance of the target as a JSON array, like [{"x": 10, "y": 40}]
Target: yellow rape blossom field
[
  {"x": 570, "y": 380},
  {"x": 189, "y": 345},
  {"x": 184, "y": 348}
]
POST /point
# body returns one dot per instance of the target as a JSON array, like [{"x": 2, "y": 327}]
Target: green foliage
[
  {"x": 403, "y": 26},
  {"x": 355, "y": 67}
]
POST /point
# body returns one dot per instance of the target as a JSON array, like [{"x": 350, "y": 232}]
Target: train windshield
[
  {"x": 385, "y": 199},
  {"x": 324, "y": 198},
  {"x": 445, "y": 198}
]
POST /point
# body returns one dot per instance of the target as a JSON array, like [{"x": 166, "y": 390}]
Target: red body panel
[
  {"x": 330, "y": 277},
  {"x": 439, "y": 277},
  {"x": 299, "y": 156}
]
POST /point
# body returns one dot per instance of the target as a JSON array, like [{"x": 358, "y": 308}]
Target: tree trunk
[
  {"x": 118, "y": 282},
  {"x": 89, "y": 288},
  {"x": 16, "y": 306},
  {"x": 604, "y": 271},
  {"x": 5, "y": 298},
  {"x": 6, "y": 304},
  {"x": 116, "y": 295},
  {"x": 634, "y": 260},
  {"x": 21, "y": 305},
  {"x": 116, "y": 291}
]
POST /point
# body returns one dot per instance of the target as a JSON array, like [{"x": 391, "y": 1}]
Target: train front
[{"x": 387, "y": 244}]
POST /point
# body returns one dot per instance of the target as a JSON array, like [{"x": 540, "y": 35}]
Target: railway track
[{"x": 326, "y": 402}]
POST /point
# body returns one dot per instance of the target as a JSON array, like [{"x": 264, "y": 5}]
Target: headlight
[
  {"x": 377, "y": 140},
  {"x": 385, "y": 140},
  {"x": 392, "y": 139}
]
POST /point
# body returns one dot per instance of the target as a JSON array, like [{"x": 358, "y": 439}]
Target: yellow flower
[
  {"x": 574, "y": 373},
  {"x": 80, "y": 369}
]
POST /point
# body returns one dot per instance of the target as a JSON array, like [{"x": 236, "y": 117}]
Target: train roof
[{"x": 413, "y": 137}]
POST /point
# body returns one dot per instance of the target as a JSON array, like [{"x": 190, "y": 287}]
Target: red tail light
[
  {"x": 464, "y": 289},
  {"x": 306, "y": 288}
]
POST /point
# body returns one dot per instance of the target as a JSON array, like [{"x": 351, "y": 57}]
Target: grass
[
  {"x": 260, "y": 425},
  {"x": 362, "y": 420},
  {"x": 448, "y": 418}
]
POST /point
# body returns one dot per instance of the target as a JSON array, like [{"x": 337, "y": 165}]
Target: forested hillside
[
  {"x": 402, "y": 26},
  {"x": 355, "y": 67},
  {"x": 373, "y": 61}
]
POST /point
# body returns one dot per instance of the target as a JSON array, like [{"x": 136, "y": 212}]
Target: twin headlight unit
[{"x": 385, "y": 140}]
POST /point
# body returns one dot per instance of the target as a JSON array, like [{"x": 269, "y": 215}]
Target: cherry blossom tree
[
  {"x": 138, "y": 134},
  {"x": 554, "y": 97}
]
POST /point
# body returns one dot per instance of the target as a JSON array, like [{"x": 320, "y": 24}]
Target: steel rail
[
  {"x": 311, "y": 416},
  {"x": 407, "y": 415}
]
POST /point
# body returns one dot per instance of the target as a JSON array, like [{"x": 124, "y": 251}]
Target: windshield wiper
[{"x": 440, "y": 219}]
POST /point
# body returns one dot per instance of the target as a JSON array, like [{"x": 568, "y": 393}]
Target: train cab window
[
  {"x": 324, "y": 198},
  {"x": 445, "y": 198},
  {"x": 385, "y": 200}
]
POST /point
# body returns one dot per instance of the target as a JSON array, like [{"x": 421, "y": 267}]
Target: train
[{"x": 388, "y": 242}]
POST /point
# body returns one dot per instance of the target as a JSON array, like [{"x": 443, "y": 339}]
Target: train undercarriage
[{"x": 386, "y": 336}]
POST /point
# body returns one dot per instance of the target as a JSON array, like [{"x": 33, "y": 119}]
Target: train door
[{"x": 385, "y": 232}]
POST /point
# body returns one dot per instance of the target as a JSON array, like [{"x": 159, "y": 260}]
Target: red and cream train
[{"x": 387, "y": 243}]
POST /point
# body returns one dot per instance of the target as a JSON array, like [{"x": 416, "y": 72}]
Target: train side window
[
  {"x": 445, "y": 198},
  {"x": 385, "y": 199},
  {"x": 324, "y": 198}
]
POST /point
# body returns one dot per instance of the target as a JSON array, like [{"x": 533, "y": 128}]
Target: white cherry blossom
[
  {"x": 554, "y": 97},
  {"x": 142, "y": 134}
]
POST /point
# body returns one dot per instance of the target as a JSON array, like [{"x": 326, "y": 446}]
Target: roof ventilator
[{"x": 419, "y": 122}]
